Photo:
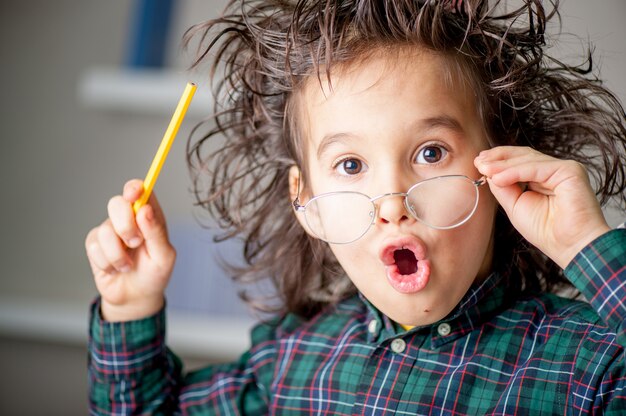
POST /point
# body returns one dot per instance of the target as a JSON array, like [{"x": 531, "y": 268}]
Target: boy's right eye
[{"x": 349, "y": 166}]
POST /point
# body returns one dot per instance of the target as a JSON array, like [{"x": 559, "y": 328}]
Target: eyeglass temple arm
[
  {"x": 296, "y": 201},
  {"x": 481, "y": 181},
  {"x": 297, "y": 206}
]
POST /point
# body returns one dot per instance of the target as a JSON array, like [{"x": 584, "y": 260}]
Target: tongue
[{"x": 406, "y": 261}]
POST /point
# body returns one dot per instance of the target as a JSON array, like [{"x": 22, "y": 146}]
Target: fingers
[
  {"x": 109, "y": 246},
  {"x": 548, "y": 200},
  {"x": 97, "y": 259},
  {"x": 106, "y": 251},
  {"x": 123, "y": 221},
  {"x": 509, "y": 165},
  {"x": 146, "y": 226},
  {"x": 515, "y": 170},
  {"x": 132, "y": 190},
  {"x": 151, "y": 223},
  {"x": 507, "y": 196},
  {"x": 500, "y": 163}
]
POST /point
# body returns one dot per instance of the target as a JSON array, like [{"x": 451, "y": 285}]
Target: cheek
[
  {"x": 349, "y": 255},
  {"x": 357, "y": 263},
  {"x": 480, "y": 236},
  {"x": 469, "y": 246}
]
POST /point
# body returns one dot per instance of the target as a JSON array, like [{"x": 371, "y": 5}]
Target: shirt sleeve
[
  {"x": 599, "y": 272},
  {"x": 131, "y": 371}
]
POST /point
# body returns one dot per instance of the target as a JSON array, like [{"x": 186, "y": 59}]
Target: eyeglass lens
[{"x": 441, "y": 202}]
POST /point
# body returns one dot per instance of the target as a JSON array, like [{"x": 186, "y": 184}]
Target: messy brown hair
[{"x": 262, "y": 51}]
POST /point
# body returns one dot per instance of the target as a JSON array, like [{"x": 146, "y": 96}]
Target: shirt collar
[
  {"x": 481, "y": 302},
  {"x": 478, "y": 305}
]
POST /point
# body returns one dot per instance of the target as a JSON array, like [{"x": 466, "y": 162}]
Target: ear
[
  {"x": 296, "y": 185},
  {"x": 295, "y": 181}
]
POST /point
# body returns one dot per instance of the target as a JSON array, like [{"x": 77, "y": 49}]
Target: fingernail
[
  {"x": 134, "y": 242},
  {"x": 482, "y": 158}
]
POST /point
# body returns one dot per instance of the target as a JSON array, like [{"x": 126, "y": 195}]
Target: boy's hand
[
  {"x": 131, "y": 257},
  {"x": 549, "y": 201}
]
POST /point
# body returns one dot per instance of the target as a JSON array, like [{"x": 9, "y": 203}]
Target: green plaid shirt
[{"x": 495, "y": 354}]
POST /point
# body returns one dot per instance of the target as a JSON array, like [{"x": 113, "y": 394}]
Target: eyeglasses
[{"x": 442, "y": 202}]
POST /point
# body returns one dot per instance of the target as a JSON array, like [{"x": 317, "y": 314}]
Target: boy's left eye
[
  {"x": 431, "y": 154},
  {"x": 350, "y": 166}
]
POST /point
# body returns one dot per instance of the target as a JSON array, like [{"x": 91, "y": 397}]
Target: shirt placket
[{"x": 385, "y": 374}]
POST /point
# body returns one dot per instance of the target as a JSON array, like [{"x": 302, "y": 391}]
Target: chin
[{"x": 413, "y": 311}]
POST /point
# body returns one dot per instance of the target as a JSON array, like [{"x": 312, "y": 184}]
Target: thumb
[
  {"x": 506, "y": 196},
  {"x": 524, "y": 209},
  {"x": 154, "y": 230}
]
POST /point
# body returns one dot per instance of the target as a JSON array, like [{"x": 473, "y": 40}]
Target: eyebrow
[
  {"x": 424, "y": 125},
  {"x": 330, "y": 139},
  {"x": 444, "y": 121}
]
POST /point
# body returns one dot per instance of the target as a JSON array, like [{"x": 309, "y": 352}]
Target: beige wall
[{"x": 60, "y": 161}]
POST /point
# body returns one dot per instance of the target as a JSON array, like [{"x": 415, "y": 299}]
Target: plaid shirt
[{"x": 495, "y": 354}]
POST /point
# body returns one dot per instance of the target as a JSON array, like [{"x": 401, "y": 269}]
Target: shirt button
[
  {"x": 444, "y": 329},
  {"x": 372, "y": 327},
  {"x": 398, "y": 345}
]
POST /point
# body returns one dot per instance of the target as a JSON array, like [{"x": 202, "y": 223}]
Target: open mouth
[
  {"x": 407, "y": 268},
  {"x": 405, "y": 260}
]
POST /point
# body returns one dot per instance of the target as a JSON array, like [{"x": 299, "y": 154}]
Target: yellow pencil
[{"x": 166, "y": 143}]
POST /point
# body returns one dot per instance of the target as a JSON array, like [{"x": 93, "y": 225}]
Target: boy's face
[{"x": 384, "y": 125}]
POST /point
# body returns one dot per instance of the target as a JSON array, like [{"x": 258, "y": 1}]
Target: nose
[{"x": 392, "y": 210}]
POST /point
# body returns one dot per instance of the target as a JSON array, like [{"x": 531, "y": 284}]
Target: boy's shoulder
[
  {"x": 556, "y": 310},
  {"x": 550, "y": 324}
]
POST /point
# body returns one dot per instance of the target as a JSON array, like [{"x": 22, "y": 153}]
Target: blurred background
[{"x": 87, "y": 90}]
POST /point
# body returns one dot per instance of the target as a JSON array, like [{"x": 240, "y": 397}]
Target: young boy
[{"x": 419, "y": 146}]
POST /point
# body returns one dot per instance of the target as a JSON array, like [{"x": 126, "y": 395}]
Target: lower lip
[{"x": 409, "y": 283}]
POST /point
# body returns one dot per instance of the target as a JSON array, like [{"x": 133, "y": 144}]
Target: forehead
[
  {"x": 406, "y": 85},
  {"x": 381, "y": 63}
]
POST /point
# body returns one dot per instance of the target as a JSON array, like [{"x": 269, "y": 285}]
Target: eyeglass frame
[{"x": 476, "y": 182}]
